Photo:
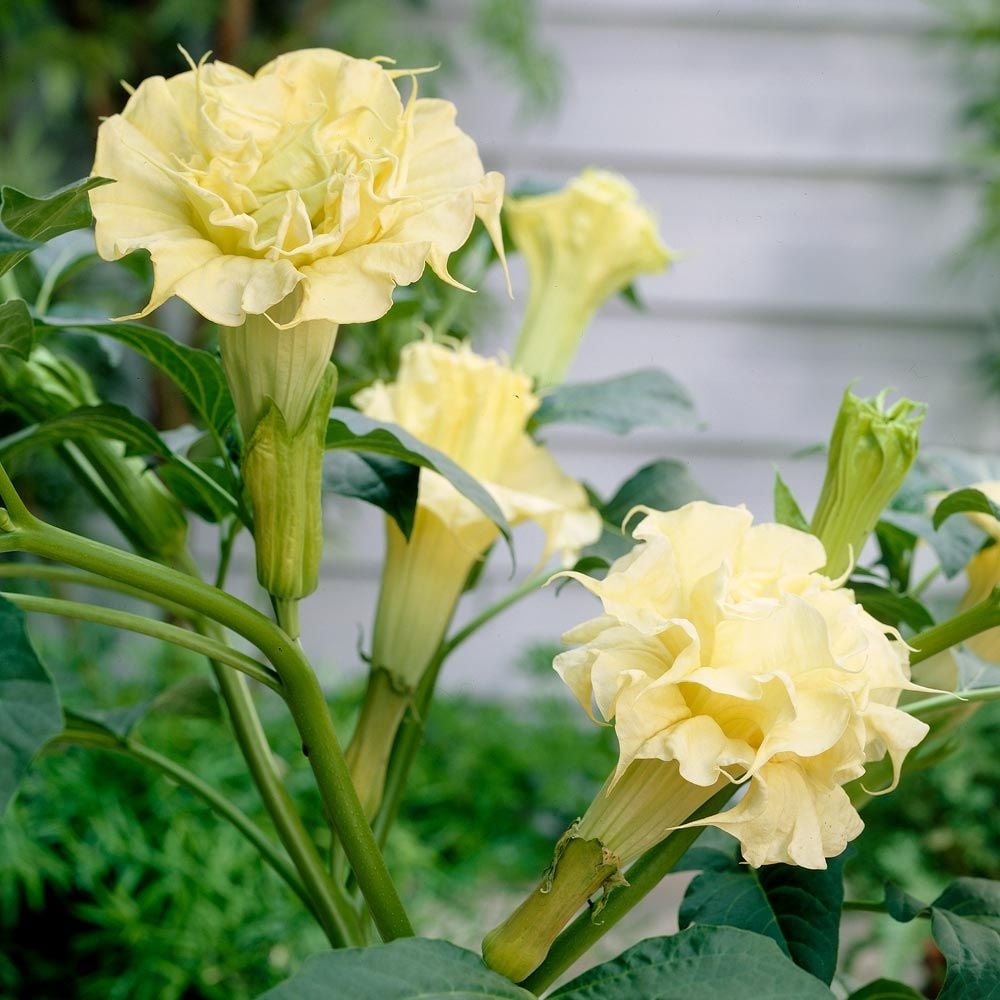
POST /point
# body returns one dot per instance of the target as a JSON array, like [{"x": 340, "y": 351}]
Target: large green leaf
[
  {"x": 17, "y": 332},
  {"x": 197, "y": 374},
  {"x": 388, "y": 483},
  {"x": 965, "y": 501},
  {"x": 698, "y": 962},
  {"x": 797, "y": 908},
  {"x": 646, "y": 398},
  {"x": 41, "y": 219},
  {"x": 661, "y": 485},
  {"x": 30, "y": 714},
  {"x": 954, "y": 543},
  {"x": 407, "y": 969},
  {"x": 354, "y": 431},
  {"x": 886, "y": 989},
  {"x": 116, "y": 423},
  {"x": 193, "y": 697},
  {"x": 965, "y": 920},
  {"x": 972, "y": 950}
]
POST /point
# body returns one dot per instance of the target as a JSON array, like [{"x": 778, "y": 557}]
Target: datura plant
[{"x": 762, "y": 679}]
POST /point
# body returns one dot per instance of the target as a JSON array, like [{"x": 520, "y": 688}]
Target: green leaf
[
  {"x": 901, "y": 905},
  {"x": 109, "y": 420},
  {"x": 971, "y": 897},
  {"x": 197, "y": 374},
  {"x": 192, "y": 698},
  {"x": 354, "y": 431},
  {"x": 954, "y": 543},
  {"x": 17, "y": 331},
  {"x": 786, "y": 509},
  {"x": 972, "y": 950},
  {"x": 965, "y": 501},
  {"x": 891, "y": 607},
  {"x": 646, "y": 398},
  {"x": 11, "y": 243},
  {"x": 797, "y": 908},
  {"x": 388, "y": 483},
  {"x": 407, "y": 969},
  {"x": 42, "y": 219},
  {"x": 886, "y": 989},
  {"x": 698, "y": 962},
  {"x": 661, "y": 485},
  {"x": 30, "y": 714}
]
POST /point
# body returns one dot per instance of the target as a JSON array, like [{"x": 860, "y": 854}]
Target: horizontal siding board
[{"x": 864, "y": 100}]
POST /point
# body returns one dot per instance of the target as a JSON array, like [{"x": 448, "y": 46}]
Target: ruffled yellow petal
[
  {"x": 787, "y": 816},
  {"x": 311, "y": 173}
]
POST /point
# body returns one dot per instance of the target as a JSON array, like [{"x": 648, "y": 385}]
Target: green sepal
[{"x": 283, "y": 476}]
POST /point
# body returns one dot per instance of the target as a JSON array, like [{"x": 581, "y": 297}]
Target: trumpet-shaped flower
[
  {"x": 279, "y": 206},
  {"x": 582, "y": 244},
  {"x": 983, "y": 572},
  {"x": 724, "y": 655},
  {"x": 311, "y": 174},
  {"x": 475, "y": 410}
]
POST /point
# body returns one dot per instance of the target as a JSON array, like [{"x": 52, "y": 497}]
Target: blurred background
[{"x": 828, "y": 170}]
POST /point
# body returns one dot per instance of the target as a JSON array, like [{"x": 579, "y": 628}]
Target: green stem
[
  {"x": 64, "y": 574},
  {"x": 304, "y": 696},
  {"x": 952, "y": 700},
  {"x": 925, "y": 581},
  {"x": 978, "y": 618},
  {"x": 269, "y": 851},
  {"x": 148, "y": 626},
  {"x": 529, "y": 586},
  {"x": 333, "y": 909},
  {"x": 643, "y": 877},
  {"x": 411, "y": 731}
]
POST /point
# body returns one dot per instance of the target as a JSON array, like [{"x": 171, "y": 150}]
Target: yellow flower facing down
[
  {"x": 983, "y": 572},
  {"x": 582, "y": 245},
  {"x": 475, "y": 410},
  {"x": 724, "y": 656},
  {"x": 311, "y": 174}
]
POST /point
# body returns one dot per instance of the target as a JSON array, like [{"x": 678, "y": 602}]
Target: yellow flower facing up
[
  {"x": 724, "y": 655},
  {"x": 279, "y": 206},
  {"x": 475, "y": 410},
  {"x": 582, "y": 245},
  {"x": 983, "y": 572},
  {"x": 311, "y": 174}
]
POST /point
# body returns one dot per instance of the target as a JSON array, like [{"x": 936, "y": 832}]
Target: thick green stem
[
  {"x": 64, "y": 574},
  {"x": 643, "y": 877},
  {"x": 21, "y": 531},
  {"x": 268, "y": 850},
  {"x": 979, "y": 618},
  {"x": 214, "y": 650}
]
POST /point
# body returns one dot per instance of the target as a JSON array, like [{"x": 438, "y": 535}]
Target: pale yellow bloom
[
  {"x": 311, "y": 174},
  {"x": 983, "y": 572},
  {"x": 582, "y": 245},
  {"x": 724, "y": 656},
  {"x": 475, "y": 410},
  {"x": 279, "y": 206}
]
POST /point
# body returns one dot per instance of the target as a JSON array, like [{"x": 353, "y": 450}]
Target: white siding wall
[{"x": 803, "y": 157}]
